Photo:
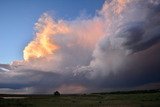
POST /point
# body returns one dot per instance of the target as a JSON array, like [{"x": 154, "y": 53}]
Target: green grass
[{"x": 91, "y": 100}]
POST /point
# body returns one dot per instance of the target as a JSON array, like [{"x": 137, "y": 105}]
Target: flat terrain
[{"x": 118, "y": 99}]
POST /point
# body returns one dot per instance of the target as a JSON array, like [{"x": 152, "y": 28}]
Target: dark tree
[{"x": 56, "y": 93}]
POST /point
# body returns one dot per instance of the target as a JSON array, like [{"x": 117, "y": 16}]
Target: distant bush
[{"x": 56, "y": 93}]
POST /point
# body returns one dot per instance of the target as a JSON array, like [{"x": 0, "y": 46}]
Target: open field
[{"x": 118, "y": 99}]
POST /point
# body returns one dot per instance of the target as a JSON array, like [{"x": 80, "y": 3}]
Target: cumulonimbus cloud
[{"x": 117, "y": 48}]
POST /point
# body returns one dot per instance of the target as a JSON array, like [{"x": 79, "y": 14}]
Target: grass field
[{"x": 118, "y": 99}]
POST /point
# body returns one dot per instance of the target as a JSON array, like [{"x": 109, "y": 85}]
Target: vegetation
[
  {"x": 116, "y": 99},
  {"x": 56, "y": 93}
]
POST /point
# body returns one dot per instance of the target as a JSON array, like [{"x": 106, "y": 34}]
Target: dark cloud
[
  {"x": 145, "y": 33},
  {"x": 5, "y": 66}
]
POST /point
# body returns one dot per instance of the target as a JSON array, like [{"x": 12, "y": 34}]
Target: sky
[
  {"x": 79, "y": 46},
  {"x": 18, "y": 18}
]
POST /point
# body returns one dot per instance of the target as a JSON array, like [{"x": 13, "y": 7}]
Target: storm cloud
[{"x": 116, "y": 49}]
